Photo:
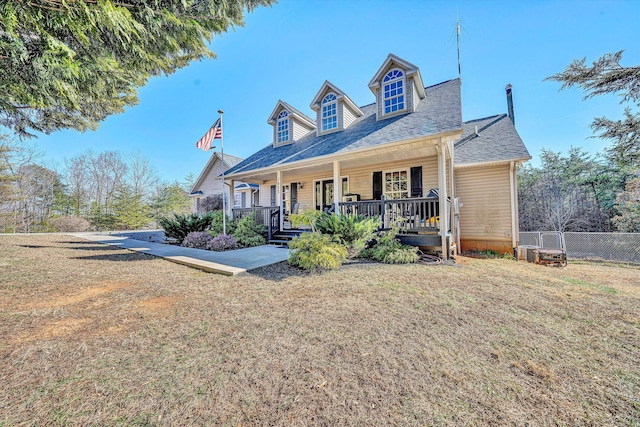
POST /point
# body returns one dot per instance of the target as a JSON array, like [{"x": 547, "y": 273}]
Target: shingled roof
[
  {"x": 496, "y": 141},
  {"x": 439, "y": 112}
]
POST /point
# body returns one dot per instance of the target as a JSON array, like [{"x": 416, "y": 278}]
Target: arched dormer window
[
  {"x": 329, "y": 112},
  {"x": 393, "y": 91},
  {"x": 283, "y": 126}
]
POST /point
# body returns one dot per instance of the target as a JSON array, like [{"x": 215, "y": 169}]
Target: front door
[{"x": 324, "y": 194}]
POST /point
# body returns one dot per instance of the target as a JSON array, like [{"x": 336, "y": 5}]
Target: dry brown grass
[{"x": 95, "y": 335}]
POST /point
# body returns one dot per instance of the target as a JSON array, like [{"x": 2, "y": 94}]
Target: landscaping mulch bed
[{"x": 97, "y": 335}]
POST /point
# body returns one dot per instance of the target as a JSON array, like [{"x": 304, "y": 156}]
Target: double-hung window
[
  {"x": 329, "y": 112},
  {"x": 283, "y": 127},
  {"x": 396, "y": 184},
  {"x": 393, "y": 91}
]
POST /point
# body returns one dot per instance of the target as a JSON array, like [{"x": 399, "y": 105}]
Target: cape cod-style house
[
  {"x": 407, "y": 157},
  {"x": 209, "y": 184}
]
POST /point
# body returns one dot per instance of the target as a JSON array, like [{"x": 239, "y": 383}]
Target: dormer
[
  {"x": 397, "y": 86},
  {"x": 335, "y": 111},
  {"x": 289, "y": 124}
]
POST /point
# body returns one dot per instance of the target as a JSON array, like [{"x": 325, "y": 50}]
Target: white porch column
[
  {"x": 232, "y": 197},
  {"x": 442, "y": 189},
  {"x": 452, "y": 217},
  {"x": 337, "y": 185},
  {"x": 279, "y": 197}
]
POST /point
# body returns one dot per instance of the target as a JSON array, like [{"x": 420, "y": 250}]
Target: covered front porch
[
  {"x": 394, "y": 182},
  {"x": 418, "y": 219}
]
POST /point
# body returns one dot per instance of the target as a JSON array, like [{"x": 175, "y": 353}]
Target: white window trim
[
  {"x": 327, "y": 179},
  {"x": 404, "y": 92},
  {"x": 384, "y": 182},
  {"x": 328, "y": 104},
  {"x": 288, "y": 129}
]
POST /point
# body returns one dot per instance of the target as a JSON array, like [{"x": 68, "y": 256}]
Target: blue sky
[{"x": 287, "y": 51}]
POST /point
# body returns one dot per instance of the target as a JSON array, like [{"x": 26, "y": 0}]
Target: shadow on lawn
[
  {"x": 133, "y": 256},
  {"x": 93, "y": 248},
  {"x": 277, "y": 272}
]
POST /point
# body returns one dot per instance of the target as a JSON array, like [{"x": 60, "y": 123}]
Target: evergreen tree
[
  {"x": 129, "y": 210},
  {"x": 566, "y": 193},
  {"x": 628, "y": 204},
  {"x": 70, "y": 64},
  {"x": 604, "y": 76}
]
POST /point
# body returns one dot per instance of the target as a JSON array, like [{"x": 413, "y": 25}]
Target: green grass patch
[{"x": 600, "y": 288}]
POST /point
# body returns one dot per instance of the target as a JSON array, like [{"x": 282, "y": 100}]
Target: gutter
[{"x": 345, "y": 156}]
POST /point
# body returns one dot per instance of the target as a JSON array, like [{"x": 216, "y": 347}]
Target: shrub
[
  {"x": 248, "y": 233},
  {"x": 316, "y": 251},
  {"x": 197, "y": 240},
  {"x": 69, "y": 224},
  {"x": 354, "y": 231},
  {"x": 309, "y": 218},
  {"x": 222, "y": 242},
  {"x": 348, "y": 228},
  {"x": 181, "y": 225},
  {"x": 211, "y": 203},
  {"x": 217, "y": 226},
  {"x": 389, "y": 250}
]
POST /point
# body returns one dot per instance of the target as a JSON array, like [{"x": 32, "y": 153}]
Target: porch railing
[
  {"x": 415, "y": 215},
  {"x": 418, "y": 214},
  {"x": 269, "y": 216}
]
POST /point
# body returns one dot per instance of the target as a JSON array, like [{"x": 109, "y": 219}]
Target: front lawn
[{"x": 95, "y": 335}]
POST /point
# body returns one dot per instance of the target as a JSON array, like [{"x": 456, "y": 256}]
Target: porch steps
[{"x": 283, "y": 237}]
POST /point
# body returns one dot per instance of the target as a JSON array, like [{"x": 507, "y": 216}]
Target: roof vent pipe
[
  {"x": 510, "y": 104},
  {"x": 477, "y": 134}
]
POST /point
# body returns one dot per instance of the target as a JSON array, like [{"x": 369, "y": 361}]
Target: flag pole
[{"x": 224, "y": 209}]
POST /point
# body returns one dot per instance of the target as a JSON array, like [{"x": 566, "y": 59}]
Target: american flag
[{"x": 214, "y": 133}]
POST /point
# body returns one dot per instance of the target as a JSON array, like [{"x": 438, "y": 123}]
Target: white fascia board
[
  {"x": 455, "y": 134},
  {"x": 494, "y": 163}
]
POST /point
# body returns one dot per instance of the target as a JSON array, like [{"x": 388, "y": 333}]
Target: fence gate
[{"x": 620, "y": 247}]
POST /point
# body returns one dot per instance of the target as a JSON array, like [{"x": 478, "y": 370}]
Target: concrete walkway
[{"x": 229, "y": 263}]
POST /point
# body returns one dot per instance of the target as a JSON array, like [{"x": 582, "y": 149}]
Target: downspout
[
  {"x": 514, "y": 212},
  {"x": 515, "y": 197}
]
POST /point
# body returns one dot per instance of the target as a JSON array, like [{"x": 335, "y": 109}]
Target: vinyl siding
[
  {"x": 299, "y": 130},
  {"x": 211, "y": 183},
  {"x": 348, "y": 116},
  {"x": 360, "y": 180},
  {"x": 415, "y": 98},
  {"x": 486, "y": 212},
  {"x": 409, "y": 93}
]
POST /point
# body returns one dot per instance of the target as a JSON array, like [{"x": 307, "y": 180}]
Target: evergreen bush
[
  {"x": 353, "y": 231},
  {"x": 181, "y": 225},
  {"x": 309, "y": 218},
  {"x": 248, "y": 233},
  {"x": 389, "y": 250},
  {"x": 217, "y": 225},
  {"x": 315, "y": 251}
]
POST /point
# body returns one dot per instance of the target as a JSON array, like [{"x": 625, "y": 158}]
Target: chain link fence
[{"x": 620, "y": 247}]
